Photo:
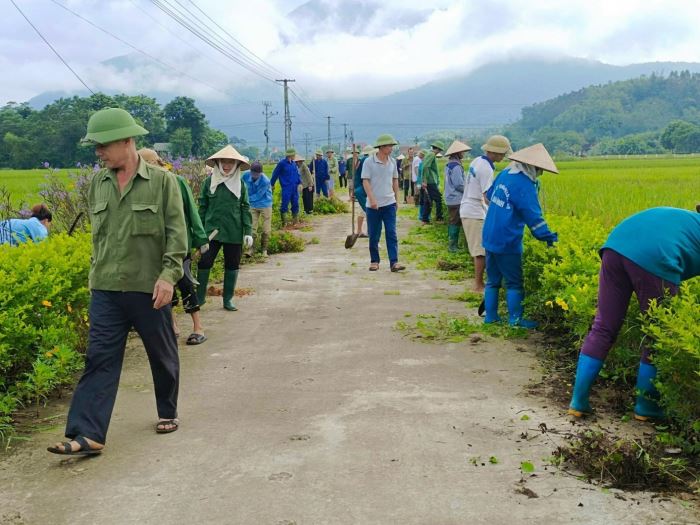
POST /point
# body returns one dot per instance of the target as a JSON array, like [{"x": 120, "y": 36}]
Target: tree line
[{"x": 30, "y": 137}]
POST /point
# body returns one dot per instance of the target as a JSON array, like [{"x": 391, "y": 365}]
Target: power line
[
  {"x": 52, "y": 48},
  {"x": 155, "y": 59}
]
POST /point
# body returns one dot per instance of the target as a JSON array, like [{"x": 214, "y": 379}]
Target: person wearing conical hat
[
  {"x": 333, "y": 169},
  {"x": 649, "y": 254},
  {"x": 380, "y": 180},
  {"x": 319, "y": 169},
  {"x": 474, "y": 204},
  {"x": 260, "y": 197},
  {"x": 196, "y": 240},
  {"x": 431, "y": 181},
  {"x": 454, "y": 189},
  {"x": 224, "y": 206},
  {"x": 513, "y": 204},
  {"x": 288, "y": 174},
  {"x": 307, "y": 184},
  {"x": 139, "y": 240}
]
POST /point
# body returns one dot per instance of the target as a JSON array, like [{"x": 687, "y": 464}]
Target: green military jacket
[
  {"x": 406, "y": 164},
  {"x": 196, "y": 236},
  {"x": 225, "y": 212},
  {"x": 350, "y": 174},
  {"x": 333, "y": 169},
  {"x": 430, "y": 169},
  {"x": 307, "y": 180},
  {"x": 138, "y": 235}
]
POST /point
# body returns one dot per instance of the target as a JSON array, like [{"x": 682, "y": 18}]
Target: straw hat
[
  {"x": 228, "y": 152},
  {"x": 457, "y": 147},
  {"x": 537, "y": 156},
  {"x": 298, "y": 158},
  {"x": 151, "y": 156}
]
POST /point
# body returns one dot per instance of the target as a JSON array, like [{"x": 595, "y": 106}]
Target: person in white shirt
[
  {"x": 474, "y": 203},
  {"x": 414, "y": 177}
]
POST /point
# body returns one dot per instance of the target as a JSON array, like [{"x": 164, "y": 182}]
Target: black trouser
[
  {"x": 406, "y": 189},
  {"x": 232, "y": 255},
  {"x": 432, "y": 195},
  {"x": 112, "y": 314},
  {"x": 307, "y": 197},
  {"x": 187, "y": 291},
  {"x": 343, "y": 181}
]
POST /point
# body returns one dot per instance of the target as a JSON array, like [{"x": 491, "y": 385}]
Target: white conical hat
[
  {"x": 537, "y": 156},
  {"x": 228, "y": 152},
  {"x": 457, "y": 147}
]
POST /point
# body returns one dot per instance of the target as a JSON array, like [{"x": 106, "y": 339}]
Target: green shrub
[
  {"x": 329, "y": 205},
  {"x": 284, "y": 241},
  {"x": 43, "y": 318}
]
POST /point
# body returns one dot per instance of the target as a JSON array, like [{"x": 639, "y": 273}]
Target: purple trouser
[{"x": 619, "y": 277}]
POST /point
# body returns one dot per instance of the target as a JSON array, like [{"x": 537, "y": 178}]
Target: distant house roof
[{"x": 162, "y": 146}]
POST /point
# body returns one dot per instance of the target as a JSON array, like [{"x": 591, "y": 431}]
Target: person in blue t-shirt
[
  {"x": 260, "y": 197},
  {"x": 319, "y": 169},
  {"x": 513, "y": 204},
  {"x": 35, "y": 229},
  {"x": 649, "y": 253}
]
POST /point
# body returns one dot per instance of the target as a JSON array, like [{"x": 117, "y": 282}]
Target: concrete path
[{"x": 306, "y": 407}]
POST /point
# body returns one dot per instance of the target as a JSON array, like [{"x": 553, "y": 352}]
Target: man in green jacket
[
  {"x": 431, "y": 183},
  {"x": 196, "y": 240},
  {"x": 139, "y": 240}
]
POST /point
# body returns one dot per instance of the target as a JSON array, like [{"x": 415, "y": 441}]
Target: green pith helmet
[
  {"x": 110, "y": 124},
  {"x": 385, "y": 140},
  {"x": 438, "y": 144},
  {"x": 319, "y": 152},
  {"x": 329, "y": 149},
  {"x": 368, "y": 150},
  {"x": 497, "y": 144},
  {"x": 290, "y": 152}
]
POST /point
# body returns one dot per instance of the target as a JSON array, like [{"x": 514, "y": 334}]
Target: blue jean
[
  {"x": 290, "y": 194},
  {"x": 504, "y": 267},
  {"x": 375, "y": 218},
  {"x": 321, "y": 186}
]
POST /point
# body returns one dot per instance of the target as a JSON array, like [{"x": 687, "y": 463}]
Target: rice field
[{"x": 24, "y": 185}]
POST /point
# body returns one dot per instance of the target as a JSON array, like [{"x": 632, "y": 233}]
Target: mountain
[{"x": 487, "y": 98}]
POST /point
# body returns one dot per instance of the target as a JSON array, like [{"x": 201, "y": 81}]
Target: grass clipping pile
[{"x": 628, "y": 464}]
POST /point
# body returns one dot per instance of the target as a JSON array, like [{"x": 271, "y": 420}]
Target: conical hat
[
  {"x": 298, "y": 158},
  {"x": 228, "y": 152},
  {"x": 457, "y": 147},
  {"x": 537, "y": 156}
]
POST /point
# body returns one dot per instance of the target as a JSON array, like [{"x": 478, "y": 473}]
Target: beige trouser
[{"x": 266, "y": 215}]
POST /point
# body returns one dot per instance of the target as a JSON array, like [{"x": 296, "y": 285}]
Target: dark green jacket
[
  {"x": 430, "y": 169},
  {"x": 196, "y": 236},
  {"x": 225, "y": 212}
]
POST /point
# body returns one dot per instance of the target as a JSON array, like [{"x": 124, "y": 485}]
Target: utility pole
[
  {"x": 329, "y": 130},
  {"x": 345, "y": 136},
  {"x": 287, "y": 116},
  {"x": 307, "y": 141},
  {"x": 268, "y": 114}
]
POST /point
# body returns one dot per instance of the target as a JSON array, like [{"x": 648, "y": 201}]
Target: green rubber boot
[
  {"x": 230, "y": 278},
  {"x": 283, "y": 216},
  {"x": 203, "y": 278},
  {"x": 453, "y": 235}
]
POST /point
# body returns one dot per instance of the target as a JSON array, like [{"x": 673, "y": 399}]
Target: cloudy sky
[{"x": 333, "y": 48}]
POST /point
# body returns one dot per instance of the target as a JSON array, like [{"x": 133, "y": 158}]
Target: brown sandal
[
  {"x": 397, "y": 267},
  {"x": 373, "y": 267}
]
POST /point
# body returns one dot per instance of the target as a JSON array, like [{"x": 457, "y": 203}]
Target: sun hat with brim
[
  {"x": 329, "y": 149},
  {"x": 438, "y": 144},
  {"x": 111, "y": 124},
  {"x": 385, "y": 140},
  {"x": 497, "y": 144},
  {"x": 290, "y": 152},
  {"x": 299, "y": 158},
  {"x": 457, "y": 147},
  {"x": 537, "y": 156},
  {"x": 368, "y": 150},
  {"x": 151, "y": 156},
  {"x": 319, "y": 152},
  {"x": 228, "y": 152}
]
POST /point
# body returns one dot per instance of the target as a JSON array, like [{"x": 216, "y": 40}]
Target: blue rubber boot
[
  {"x": 587, "y": 370},
  {"x": 491, "y": 305},
  {"x": 514, "y": 300},
  {"x": 646, "y": 406}
]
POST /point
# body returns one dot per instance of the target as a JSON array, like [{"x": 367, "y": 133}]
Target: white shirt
[
  {"x": 477, "y": 181},
  {"x": 381, "y": 178},
  {"x": 414, "y": 168}
]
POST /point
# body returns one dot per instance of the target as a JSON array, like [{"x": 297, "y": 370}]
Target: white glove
[
  {"x": 247, "y": 241},
  {"x": 204, "y": 248}
]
